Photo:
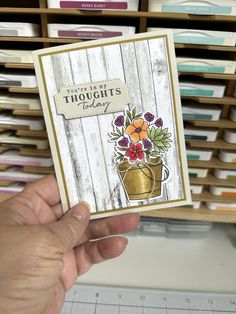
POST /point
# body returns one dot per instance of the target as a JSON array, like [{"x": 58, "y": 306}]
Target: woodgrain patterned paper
[{"x": 90, "y": 152}]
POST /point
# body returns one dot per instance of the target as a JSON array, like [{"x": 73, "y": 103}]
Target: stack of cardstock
[
  {"x": 198, "y": 172},
  {"x": 11, "y": 190},
  {"x": 225, "y": 174},
  {"x": 227, "y": 156},
  {"x": 9, "y": 121},
  {"x": 19, "y": 29},
  {"x": 201, "y": 88},
  {"x": 202, "y": 37},
  {"x": 230, "y": 136},
  {"x": 221, "y": 206},
  {"x": 203, "y": 134},
  {"x": 108, "y": 114},
  {"x": 11, "y": 139},
  {"x": 199, "y": 7},
  {"x": 16, "y": 101},
  {"x": 199, "y": 154},
  {"x": 195, "y": 112},
  {"x": 83, "y": 31},
  {"x": 16, "y": 174},
  {"x": 13, "y": 157},
  {"x": 15, "y": 56},
  {"x": 223, "y": 191},
  {"x": 131, "y": 5},
  {"x": 17, "y": 80},
  {"x": 205, "y": 65}
]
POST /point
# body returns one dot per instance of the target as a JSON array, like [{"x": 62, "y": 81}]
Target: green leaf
[
  {"x": 139, "y": 115},
  {"x": 122, "y": 149},
  {"x": 133, "y": 112},
  {"x": 152, "y": 133},
  {"x": 127, "y": 122},
  {"x": 129, "y": 115}
]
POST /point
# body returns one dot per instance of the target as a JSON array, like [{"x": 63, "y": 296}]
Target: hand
[{"x": 43, "y": 251}]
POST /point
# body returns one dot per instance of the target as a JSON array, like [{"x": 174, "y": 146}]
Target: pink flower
[{"x": 135, "y": 152}]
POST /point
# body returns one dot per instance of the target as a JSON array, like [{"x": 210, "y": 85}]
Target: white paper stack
[
  {"x": 15, "y": 56},
  {"x": 88, "y": 31},
  {"x": 201, "y": 36},
  {"x": 10, "y": 121},
  {"x": 195, "y": 112},
  {"x": 199, "y": 7},
  {"x": 205, "y": 65},
  {"x": 16, "y": 174},
  {"x": 13, "y": 189},
  {"x": 199, "y": 89},
  {"x": 131, "y": 5},
  {"x": 18, "y": 80},
  {"x": 19, "y": 29},
  {"x": 17, "y": 101},
  {"x": 12, "y": 139},
  {"x": 13, "y": 157},
  {"x": 203, "y": 134}
]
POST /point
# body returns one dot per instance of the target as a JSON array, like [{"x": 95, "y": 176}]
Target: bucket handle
[{"x": 166, "y": 174}]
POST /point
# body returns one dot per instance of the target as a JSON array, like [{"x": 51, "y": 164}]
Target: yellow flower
[{"x": 137, "y": 130}]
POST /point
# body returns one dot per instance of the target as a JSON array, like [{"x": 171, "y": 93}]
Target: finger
[
  {"x": 46, "y": 188},
  {"x": 110, "y": 226},
  {"x": 70, "y": 228},
  {"x": 98, "y": 251}
]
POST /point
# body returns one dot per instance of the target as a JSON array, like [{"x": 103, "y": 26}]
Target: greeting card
[{"x": 113, "y": 116}]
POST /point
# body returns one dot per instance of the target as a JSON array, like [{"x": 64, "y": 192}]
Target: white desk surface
[{"x": 206, "y": 264}]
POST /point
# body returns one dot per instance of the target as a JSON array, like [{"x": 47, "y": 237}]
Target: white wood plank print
[{"x": 123, "y": 159}]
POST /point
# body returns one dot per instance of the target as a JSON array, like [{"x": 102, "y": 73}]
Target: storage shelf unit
[{"x": 37, "y": 10}]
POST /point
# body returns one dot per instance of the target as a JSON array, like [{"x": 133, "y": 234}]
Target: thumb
[{"x": 71, "y": 227}]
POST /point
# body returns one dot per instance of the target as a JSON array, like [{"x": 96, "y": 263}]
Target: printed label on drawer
[
  {"x": 200, "y": 68},
  {"x": 194, "y": 9},
  {"x": 87, "y": 34},
  {"x": 196, "y": 92},
  {"x": 192, "y": 116},
  {"x": 193, "y": 157},
  {"x": 198, "y": 40},
  {"x": 95, "y": 5}
]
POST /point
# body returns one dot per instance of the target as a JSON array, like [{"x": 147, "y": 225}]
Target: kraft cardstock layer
[{"x": 119, "y": 161}]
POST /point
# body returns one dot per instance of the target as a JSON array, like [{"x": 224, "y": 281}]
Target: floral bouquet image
[{"x": 140, "y": 142}]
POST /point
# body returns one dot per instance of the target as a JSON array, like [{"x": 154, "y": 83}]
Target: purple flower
[
  {"x": 119, "y": 121},
  {"x": 124, "y": 142},
  {"x": 147, "y": 144},
  {"x": 159, "y": 123},
  {"x": 149, "y": 117}
]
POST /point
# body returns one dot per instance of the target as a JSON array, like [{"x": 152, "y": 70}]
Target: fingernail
[{"x": 81, "y": 211}]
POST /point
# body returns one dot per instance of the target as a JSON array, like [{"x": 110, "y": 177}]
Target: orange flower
[{"x": 137, "y": 130}]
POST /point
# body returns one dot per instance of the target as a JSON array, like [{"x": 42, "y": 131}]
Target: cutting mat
[{"x": 95, "y": 299}]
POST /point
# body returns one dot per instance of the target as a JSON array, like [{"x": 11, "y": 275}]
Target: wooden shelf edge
[
  {"x": 212, "y": 180},
  {"x": 218, "y": 144},
  {"x": 24, "y": 66},
  {"x": 188, "y": 213},
  {"x": 230, "y": 77},
  {"x": 214, "y": 163},
  {"x": 228, "y": 101},
  {"x": 220, "y": 124}
]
